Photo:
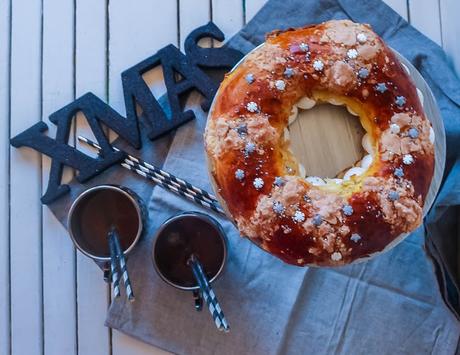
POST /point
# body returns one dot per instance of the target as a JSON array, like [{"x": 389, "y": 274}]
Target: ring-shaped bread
[{"x": 309, "y": 220}]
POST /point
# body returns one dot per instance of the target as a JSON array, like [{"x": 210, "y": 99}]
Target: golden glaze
[{"x": 376, "y": 219}]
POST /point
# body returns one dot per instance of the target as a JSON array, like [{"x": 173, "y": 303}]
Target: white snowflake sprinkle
[
  {"x": 413, "y": 133},
  {"x": 318, "y": 65},
  {"x": 280, "y": 85},
  {"x": 250, "y": 78},
  {"x": 317, "y": 220},
  {"x": 355, "y": 237},
  {"x": 249, "y": 148},
  {"x": 278, "y": 207},
  {"x": 299, "y": 216},
  {"x": 400, "y": 101},
  {"x": 381, "y": 87},
  {"x": 279, "y": 181},
  {"x": 258, "y": 183},
  {"x": 394, "y": 128},
  {"x": 352, "y": 53},
  {"x": 289, "y": 72},
  {"x": 393, "y": 195},
  {"x": 399, "y": 172},
  {"x": 363, "y": 73},
  {"x": 336, "y": 256},
  {"x": 304, "y": 47},
  {"x": 252, "y": 107},
  {"x": 347, "y": 210},
  {"x": 408, "y": 159},
  {"x": 239, "y": 174},
  {"x": 361, "y": 37}
]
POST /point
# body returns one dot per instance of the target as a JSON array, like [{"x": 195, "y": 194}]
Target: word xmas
[{"x": 183, "y": 73}]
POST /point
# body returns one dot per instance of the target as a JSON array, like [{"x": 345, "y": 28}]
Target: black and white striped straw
[
  {"x": 122, "y": 264},
  {"x": 113, "y": 267},
  {"x": 211, "y": 206},
  {"x": 159, "y": 173},
  {"x": 208, "y": 294}
]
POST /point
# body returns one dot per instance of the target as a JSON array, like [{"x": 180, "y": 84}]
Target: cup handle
[{"x": 198, "y": 300}]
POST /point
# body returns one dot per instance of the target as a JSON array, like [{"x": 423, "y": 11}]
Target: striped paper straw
[
  {"x": 211, "y": 206},
  {"x": 161, "y": 174},
  {"x": 169, "y": 182},
  {"x": 208, "y": 294},
  {"x": 122, "y": 264},
  {"x": 113, "y": 267}
]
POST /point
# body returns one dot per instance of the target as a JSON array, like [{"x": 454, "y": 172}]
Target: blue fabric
[{"x": 390, "y": 304}]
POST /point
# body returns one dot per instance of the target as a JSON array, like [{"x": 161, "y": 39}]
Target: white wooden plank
[
  {"x": 59, "y": 297},
  {"x": 90, "y": 75},
  {"x": 400, "y": 6},
  {"x": 425, "y": 16},
  {"x": 187, "y": 23},
  {"x": 4, "y": 178},
  {"x": 137, "y": 32},
  {"x": 25, "y": 206},
  {"x": 228, "y": 16},
  {"x": 450, "y": 10},
  {"x": 252, "y": 7}
]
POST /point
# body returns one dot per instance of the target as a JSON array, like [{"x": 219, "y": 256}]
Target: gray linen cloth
[{"x": 388, "y": 305}]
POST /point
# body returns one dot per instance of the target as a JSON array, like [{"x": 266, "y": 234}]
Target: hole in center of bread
[{"x": 326, "y": 140}]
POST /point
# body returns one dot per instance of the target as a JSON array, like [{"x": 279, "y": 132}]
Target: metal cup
[
  {"x": 103, "y": 261},
  {"x": 159, "y": 235}
]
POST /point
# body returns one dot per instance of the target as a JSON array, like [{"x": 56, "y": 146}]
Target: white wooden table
[{"x": 52, "y": 299}]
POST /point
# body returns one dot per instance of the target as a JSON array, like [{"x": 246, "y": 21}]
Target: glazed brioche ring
[{"x": 310, "y": 220}]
